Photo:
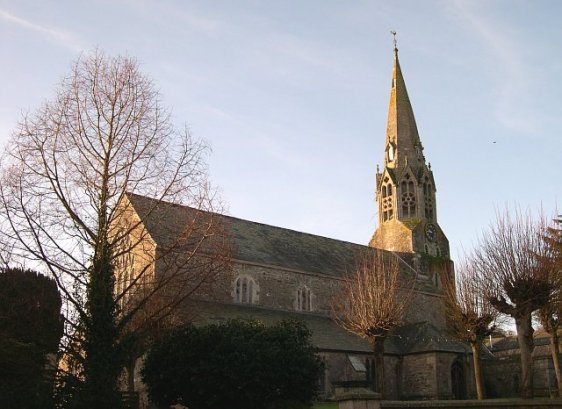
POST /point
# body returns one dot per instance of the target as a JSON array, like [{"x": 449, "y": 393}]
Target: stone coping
[
  {"x": 359, "y": 395},
  {"x": 486, "y": 403}
]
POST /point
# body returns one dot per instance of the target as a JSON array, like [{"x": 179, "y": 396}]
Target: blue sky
[{"x": 292, "y": 95}]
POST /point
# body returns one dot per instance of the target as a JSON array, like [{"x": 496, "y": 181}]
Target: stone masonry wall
[
  {"x": 444, "y": 362},
  {"x": 417, "y": 379},
  {"x": 277, "y": 289}
]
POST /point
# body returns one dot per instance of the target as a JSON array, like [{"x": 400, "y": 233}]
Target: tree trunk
[
  {"x": 102, "y": 363},
  {"x": 477, "y": 370},
  {"x": 556, "y": 360},
  {"x": 378, "y": 380},
  {"x": 526, "y": 346}
]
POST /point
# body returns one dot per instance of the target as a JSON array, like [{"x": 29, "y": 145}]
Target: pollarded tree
[
  {"x": 66, "y": 175},
  {"x": 509, "y": 256},
  {"x": 550, "y": 315},
  {"x": 471, "y": 316},
  {"x": 372, "y": 301}
]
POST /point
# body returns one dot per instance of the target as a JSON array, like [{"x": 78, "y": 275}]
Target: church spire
[
  {"x": 405, "y": 186},
  {"x": 402, "y": 144}
]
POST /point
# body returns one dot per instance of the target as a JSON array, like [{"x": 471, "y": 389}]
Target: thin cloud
[
  {"x": 512, "y": 81},
  {"x": 61, "y": 37},
  {"x": 183, "y": 15}
]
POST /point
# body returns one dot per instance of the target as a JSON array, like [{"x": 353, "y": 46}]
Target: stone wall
[
  {"x": 277, "y": 289},
  {"x": 502, "y": 377},
  {"x": 488, "y": 404},
  {"x": 426, "y": 307},
  {"x": 393, "y": 377},
  {"x": 419, "y": 379},
  {"x": 444, "y": 363}
]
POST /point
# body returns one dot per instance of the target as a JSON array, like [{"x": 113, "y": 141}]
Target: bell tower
[{"x": 405, "y": 188}]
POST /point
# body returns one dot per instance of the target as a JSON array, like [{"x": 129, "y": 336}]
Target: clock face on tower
[{"x": 430, "y": 231}]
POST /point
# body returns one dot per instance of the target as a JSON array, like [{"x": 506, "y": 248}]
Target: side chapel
[{"x": 280, "y": 273}]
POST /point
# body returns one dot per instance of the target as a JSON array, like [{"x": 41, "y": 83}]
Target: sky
[{"x": 292, "y": 96}]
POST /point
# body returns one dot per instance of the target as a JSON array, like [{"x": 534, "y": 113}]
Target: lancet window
[
  {"x": 124, "y": 286},
  {"x": 245, "y": 290},
  {"x": 428, "y": 198},
  {"x": 386, "y": 201},
  {"x": 304, "y": 299},
  {"x": 408, "y": 197}
]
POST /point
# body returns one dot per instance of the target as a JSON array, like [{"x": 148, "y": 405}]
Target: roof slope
[
  {"x": 423, "y": 337},
  {"x": 326, "y": 334},
  {"x": 255, "y": 242}
]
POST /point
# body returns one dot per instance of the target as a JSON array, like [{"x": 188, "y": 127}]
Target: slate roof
[
  {"x": 326, "y": 334},
  {"x": 508, "y": 343},
  {"x": 256, "y": 242},
  {"x": 424, "y": 337}
]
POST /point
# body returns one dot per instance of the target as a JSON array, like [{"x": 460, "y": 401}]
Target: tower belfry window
[
  {"x": 408, "y": 197},
  {"x": 386, "y": 200},
  {"x": 428, "y": 199}
]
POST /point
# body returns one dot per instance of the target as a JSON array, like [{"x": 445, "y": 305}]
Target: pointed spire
[{"x": 402, "y": 139}]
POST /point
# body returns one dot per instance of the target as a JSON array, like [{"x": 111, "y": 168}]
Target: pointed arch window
[
  {"x": 245, "y": 290},
  {"x": 437, "y": 280},
  {"x": 386, "y": 202},
  {"x": 408, "y": 197},
  {"x": 304, "y": 299},
  {"x": 428, "y": 199},
  {"x": 123, "y": 287}
]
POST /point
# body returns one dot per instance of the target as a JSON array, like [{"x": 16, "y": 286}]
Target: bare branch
[{"x": 66, "y": 177}]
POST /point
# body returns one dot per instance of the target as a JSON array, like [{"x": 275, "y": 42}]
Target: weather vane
[{"x": 395, "y": 42}]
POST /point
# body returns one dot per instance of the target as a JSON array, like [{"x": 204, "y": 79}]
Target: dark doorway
[{"x": 458, "y": 381}]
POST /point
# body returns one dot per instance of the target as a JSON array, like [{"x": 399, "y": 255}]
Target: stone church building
[{"x": 280, "y": 273}]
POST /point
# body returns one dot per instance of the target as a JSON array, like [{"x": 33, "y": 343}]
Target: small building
[{"x": 502, "y": 368}]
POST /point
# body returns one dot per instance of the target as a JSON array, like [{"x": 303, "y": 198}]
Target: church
[{"x": 279, "y": 273}]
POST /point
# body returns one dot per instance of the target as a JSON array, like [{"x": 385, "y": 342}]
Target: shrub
[{"x": 236, "y": 365}]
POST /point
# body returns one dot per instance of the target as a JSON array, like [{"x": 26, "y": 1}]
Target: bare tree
[
  {"x": 65, "y": 205},
  {"x": 471, "y": 316},
  {"x": 371, "y": 302},
  {"x": 550, "y": 315},
  {"x": 509, "y": 256}
]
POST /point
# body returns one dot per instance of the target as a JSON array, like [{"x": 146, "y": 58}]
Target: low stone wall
[
  {"x": 463, "y": 404},
  {"x": 351, "y": 396}
]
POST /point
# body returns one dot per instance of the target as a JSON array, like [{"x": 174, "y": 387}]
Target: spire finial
[{"x": 395, "y": 42}]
